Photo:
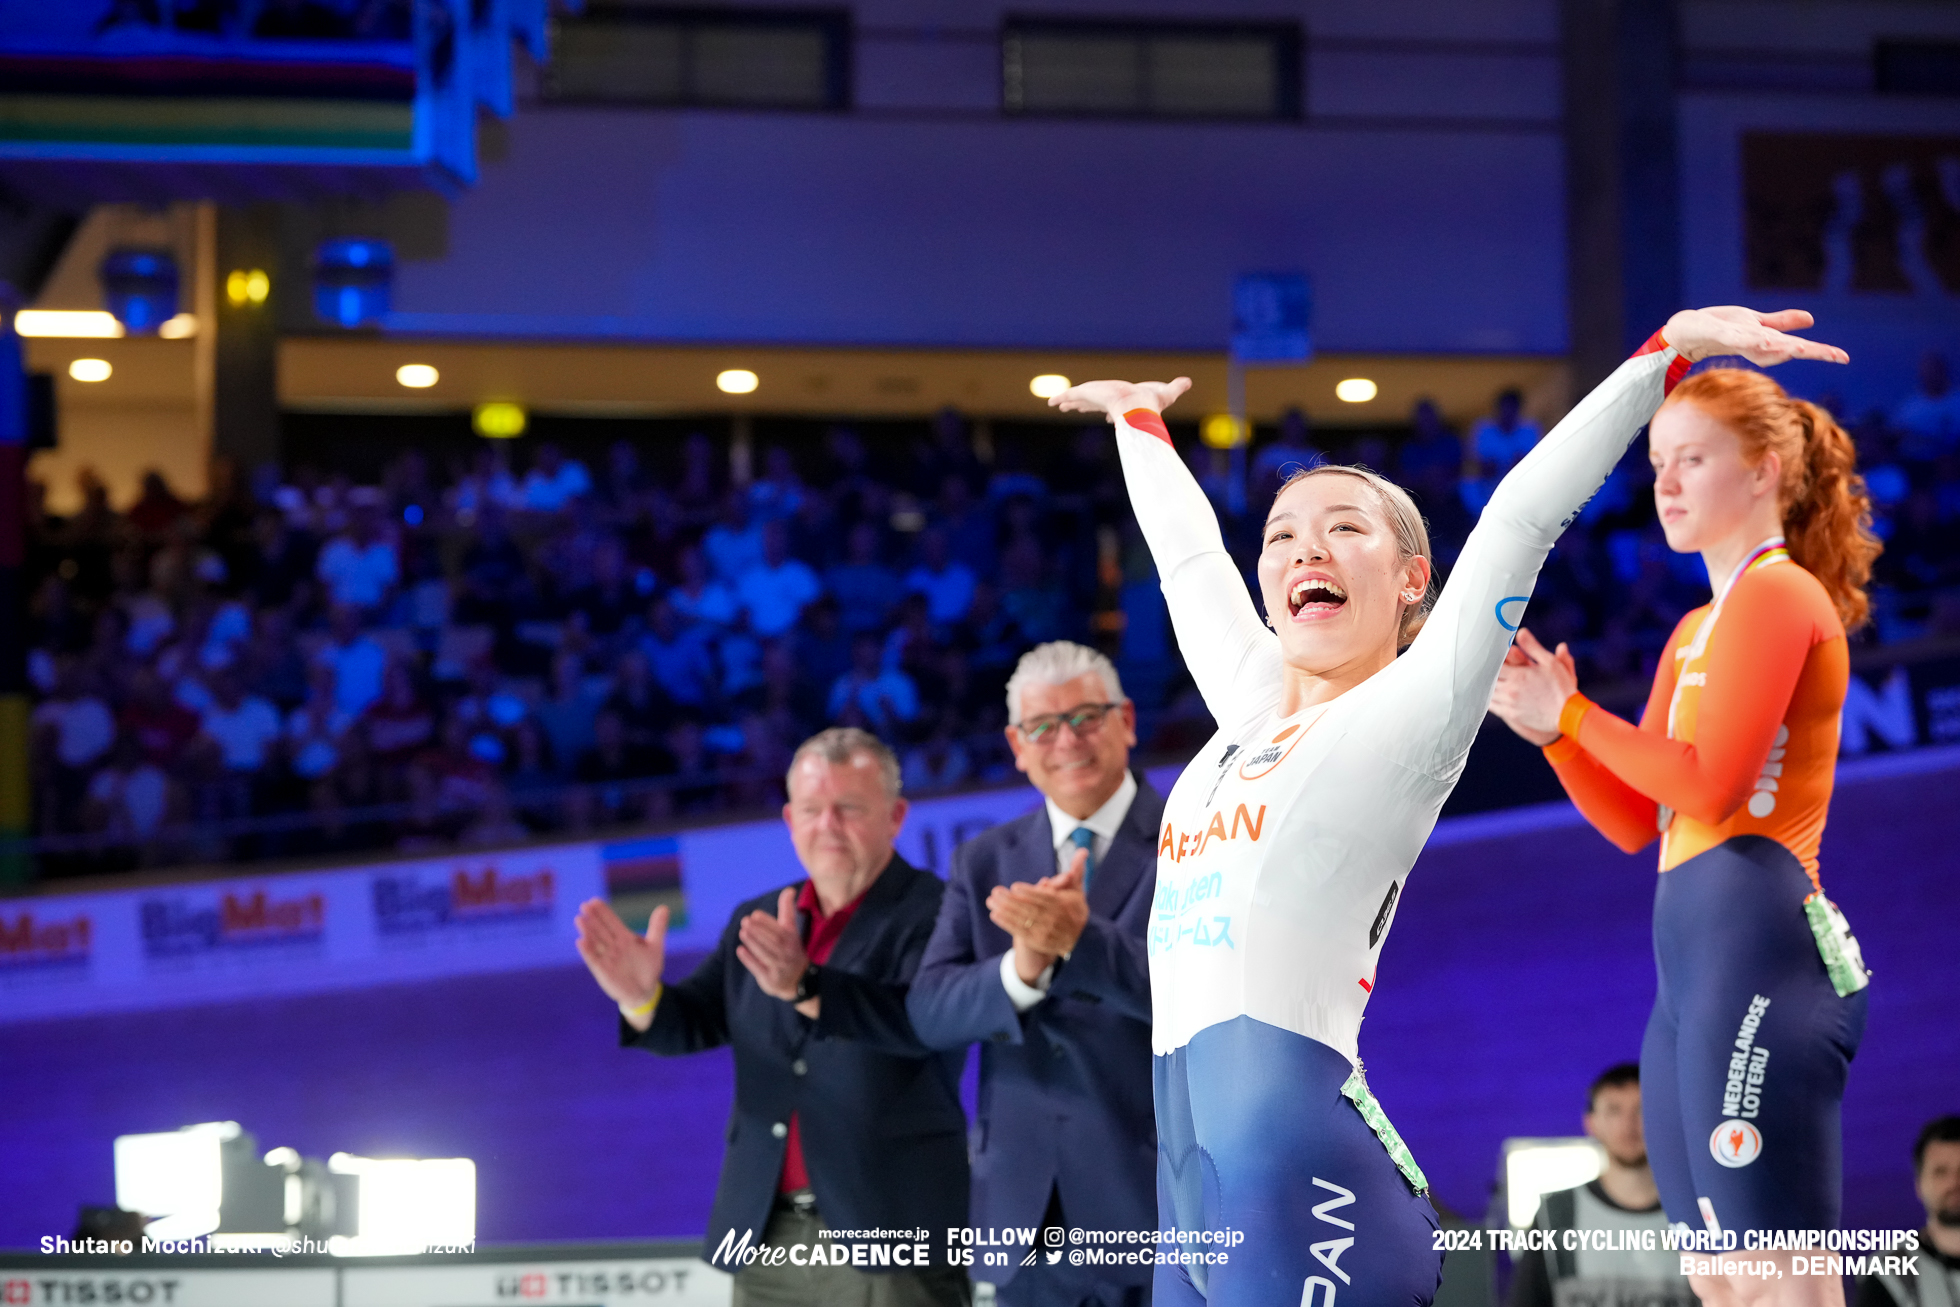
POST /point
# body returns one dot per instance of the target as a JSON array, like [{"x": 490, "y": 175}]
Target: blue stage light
[
  {"x": 352, "y": 280},
  {"x": 139, "y": 286}
]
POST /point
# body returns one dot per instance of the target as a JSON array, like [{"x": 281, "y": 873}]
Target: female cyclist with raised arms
[
  {"x": 1760, "y": 1002},
  {"x": 1286, "y": 841}
]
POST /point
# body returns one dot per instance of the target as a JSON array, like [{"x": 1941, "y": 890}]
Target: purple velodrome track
[{"x": 1518, "y": 968}]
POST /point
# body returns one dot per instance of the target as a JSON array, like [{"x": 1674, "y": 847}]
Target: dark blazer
[
  {"x": 881, "y": 1122},
  {"x": 1065, "y": 1088}
]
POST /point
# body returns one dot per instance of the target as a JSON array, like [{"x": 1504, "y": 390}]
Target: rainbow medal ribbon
[{"x": 1767, "y": 554}]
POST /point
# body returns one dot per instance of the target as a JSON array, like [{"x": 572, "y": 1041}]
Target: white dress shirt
[{"x": 1104, "y": 822}]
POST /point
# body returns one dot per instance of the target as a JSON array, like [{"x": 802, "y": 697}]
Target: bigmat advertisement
[{"x": 201, "y": 941}]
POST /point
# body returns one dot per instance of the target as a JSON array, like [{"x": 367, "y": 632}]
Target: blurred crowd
[
  {"x": 498, "y": 650},
  {"x": 359, "y": 20},
  {"x": 530, "y": 642}
]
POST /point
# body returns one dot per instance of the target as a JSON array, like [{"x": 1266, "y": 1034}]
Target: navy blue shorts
[
  {"x": 1742, "y": 1068},
  {"x": 1254, "y": 1136}
]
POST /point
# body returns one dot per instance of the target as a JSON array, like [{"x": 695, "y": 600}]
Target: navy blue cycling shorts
[
  {"x": 1253, "y": 1136},
  {"x": 1742, "y": 1068}
]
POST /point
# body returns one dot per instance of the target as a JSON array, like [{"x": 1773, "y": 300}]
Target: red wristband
[{"x": 1149, "y": 422}]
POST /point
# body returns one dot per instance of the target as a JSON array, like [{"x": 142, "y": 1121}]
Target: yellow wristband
[{"x": 646, "y": 1008}]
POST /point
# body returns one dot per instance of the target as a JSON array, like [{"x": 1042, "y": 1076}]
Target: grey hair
[
  {"x": 1404, "y": 521},
  {"x": 1056, "y": 663},
  {"x": 839, "y": 745}
]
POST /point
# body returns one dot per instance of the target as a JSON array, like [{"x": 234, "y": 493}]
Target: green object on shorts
[
  {"x": 1844, "y": 961},
  {"x": 1356, "y": 1092}
]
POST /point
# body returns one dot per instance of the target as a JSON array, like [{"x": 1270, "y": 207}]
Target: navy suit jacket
[
  {"x": 879, "y": 1112},
  {"x": 1065, "y": 1087}
]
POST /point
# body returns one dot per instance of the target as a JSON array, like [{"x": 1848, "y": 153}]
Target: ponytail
[
  {"x": 1826, "y": 512},
  {"x": 1828, "y": 526}
]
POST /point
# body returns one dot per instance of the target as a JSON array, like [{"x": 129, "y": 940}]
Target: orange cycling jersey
[{"x": 1740, "y": 735}]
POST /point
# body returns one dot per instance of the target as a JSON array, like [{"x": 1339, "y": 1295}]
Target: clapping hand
[
  {"x": 1532, "y": 687},
  {"x": 1044, "y": 918},
  {"x": 772, "y": 950},
  {"x": 627, "y": 966}
]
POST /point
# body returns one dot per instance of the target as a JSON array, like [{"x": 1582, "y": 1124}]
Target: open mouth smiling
[{"x": 1312, "y": 595}]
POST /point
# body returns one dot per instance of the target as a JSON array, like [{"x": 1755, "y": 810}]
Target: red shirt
[{"x": 824, "y": 933}]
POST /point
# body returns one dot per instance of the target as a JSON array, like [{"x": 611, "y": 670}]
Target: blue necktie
[{"x": 1083, "y": 838}]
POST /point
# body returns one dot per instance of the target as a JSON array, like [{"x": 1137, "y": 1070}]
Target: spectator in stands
[
  {"x": 1929, "y": 418},
  {"x": 313, "y": 734},
  {"x": 947, "y": 451},
  {"x": 355, "y": 660},
  {"x": 606, "y": 772},
  {"x": 913, "y": 645},
  {"x": 398, "y": 727},
  {"x": 1055, "y": 991},
  {"x": 738, "y": 651},
  {"x": 608, "y": 598},
  {"x": 679, "y": 656},
  {"x": 492, "y": 567},
  {"x": 274, "y": 666},
  {"x": 555, "y": 481},
  {"x": 283, "y": 561},
  {"x": 778, "y": 493},
  {"x": 885, "y": 696},
  {"x": 240, "y": 733},
  {"x": 462, "y": 766},
  {"x": 946, "y": 583},
  {"x": 422, "y": 604},
  {"x": 698, "y": 490},
  {"x": 130, "y": 799},
  {"x": 1935, "y": 1279},
  {"x": 157, "y": 509},
  {"x": 940, "y": 763},
  {"x": 1430, "y": 446},
  {"x": 1292, "y": 447},
  {"x": 822, "y": 646},
  {"x": 1506, "y": 436},
  {"x": 360, "y": 566},
  {"x": 786, "y": 695},
  {"x": 1623, "y": 1198},
  {"x": 696, "y": 787},
  {"x": 699, "y": 597},
  {"x": 637, "y": 701},
  {"x": 865, "y": 589},
  {"x": 1496, "y": 444},
  {"x": 734, "y": 544},
  {"x": 834, "y": 1093},
  {"x": 968, "y": 523},
  {"x": 774, "y": 589},
  {"x": 1029, "y": 595},
  {"x": 489, "y": 484},
  {"x": 159, "y": 726},
  {"x": 75, "y": 730},
  {"x": 566, "y": 717}
]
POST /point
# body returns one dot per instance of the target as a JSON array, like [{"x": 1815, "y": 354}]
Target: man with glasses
[{"x": 1038, "y": 955}]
